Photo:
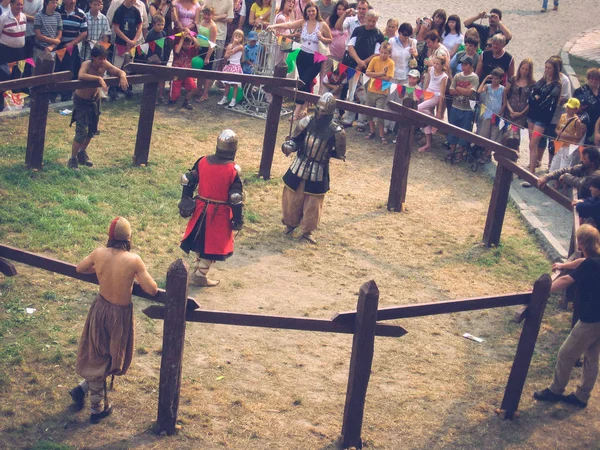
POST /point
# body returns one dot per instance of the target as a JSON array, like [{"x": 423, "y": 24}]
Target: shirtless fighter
[
  {"x": 86, "y": 104},
  {"x": 106, "y": 345}
]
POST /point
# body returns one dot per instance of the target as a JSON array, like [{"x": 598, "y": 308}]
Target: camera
[{"x": 424, "y": 21}]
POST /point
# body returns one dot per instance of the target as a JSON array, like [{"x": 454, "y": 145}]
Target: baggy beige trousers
[
  {"x": 301, "y": 209},
  {"x": 583, "y": 339}
]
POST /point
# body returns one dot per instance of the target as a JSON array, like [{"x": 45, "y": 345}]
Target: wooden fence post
[
  {"x": 172, "y": 349},
  {"x": 529, "y": 334},
  {"x": 271, "y": 127},
  {"x": 399, "y": 179},
  {"x": 38, "y": 117},
  {"x": 360, "y": 364},
  {"x": 497, "y": 208},
  {"x": 145, "y": 122}
]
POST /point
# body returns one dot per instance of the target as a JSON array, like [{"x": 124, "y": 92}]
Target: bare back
[{"x": 116, "y": 270}]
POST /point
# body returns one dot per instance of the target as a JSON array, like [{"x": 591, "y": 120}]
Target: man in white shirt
[
  {"x": 352, "y": 19},
  {"x": 12, "y": 35}
]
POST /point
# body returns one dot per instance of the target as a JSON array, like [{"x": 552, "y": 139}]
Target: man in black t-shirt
[
  {"x": 127, "y": 24},
  {"x": 362, "y": 47},
  {"x": 496, "y": 26},
  {"x": 585, "y": 335}
]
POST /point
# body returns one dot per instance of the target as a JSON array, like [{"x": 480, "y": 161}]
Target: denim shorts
[{"x": 537, "y": 124}]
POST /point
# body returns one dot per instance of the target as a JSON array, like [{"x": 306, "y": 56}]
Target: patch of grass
[
  {"x": 49, "y": 445},
  {"x": 581, "y": 66}
]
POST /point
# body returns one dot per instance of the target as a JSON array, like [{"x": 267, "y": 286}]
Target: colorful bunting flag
[
  {"x": 318, "y": 58},
  {"x": 557, "y": 146},
  {"x": 291, "y": 60},
  {"x": 152, "y": 45},
  {"x": 351, "y": 72},
  {"x": 385, "y": 85},
  {"x": 106, "y": 45},
  {"x": 537, "y": 134},
  {"x": 145, "y": 48},
  {"x": 160, "y": 42},
  {"x": 69, "y": 49},
  {"x": 21, "y": 65},
  {"x": 30, "y": 62},
  {"x": 342, "y": 68},
  {"x": 427, "y": 95},
  {"x": 377, "y": 83},
  {"x": 61, "y": 53},
  {"x": 572, "y": 148},
  {"x": 11, "y": 65}
]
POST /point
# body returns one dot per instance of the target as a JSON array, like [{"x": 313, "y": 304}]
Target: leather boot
[{"x": 199, "y": 275}]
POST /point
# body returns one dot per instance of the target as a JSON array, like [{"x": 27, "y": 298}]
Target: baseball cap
[
  {"x": 573, "y": 103},
  {"x": 414, "y": 73},
  {"x": 252, "y": 36},
  {"x": 467, "y": 60}
]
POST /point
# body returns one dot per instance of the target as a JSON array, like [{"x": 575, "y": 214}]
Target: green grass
[{"x": 580, "y": 66}]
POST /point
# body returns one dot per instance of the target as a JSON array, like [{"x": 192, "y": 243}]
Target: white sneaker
[
  {"x": 232, "y": 103},
  {"x": 222, "y": 101}
]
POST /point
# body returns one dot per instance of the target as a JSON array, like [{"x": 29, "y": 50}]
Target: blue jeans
[
  {"x": 462, "y": 119},
  {"x": 545, "y": 3}
]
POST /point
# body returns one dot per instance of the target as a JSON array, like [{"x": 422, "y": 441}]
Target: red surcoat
[{"x": 214, "y": 183}]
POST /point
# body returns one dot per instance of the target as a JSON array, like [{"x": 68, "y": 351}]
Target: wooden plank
[
  {"x": 430, "y": 309},
  {"x": 266, "y": 321},
  {"x": 532, "y": 179},
  {"x": 526, "y": 346},
  {"x": 168, "y": 73},
  {"x": 63, "y": 268},
  {"x": 145, "y": 124},
  {"x": 172, "y": 348},
  {"x": 402, "y": 152},
  {"x": 38, "y": 117},
  {"x": 341, "y": 104},
  {"x": 110, "y": 81},
  {"x": 497, "y": 206},
  {"x": 425, "y": 119},
  {"x": 361, "y": 360},
  {"x": 7, "y": 268},
  {"x": 36, "y": 80},
  {"x": 271, "y": 127}
]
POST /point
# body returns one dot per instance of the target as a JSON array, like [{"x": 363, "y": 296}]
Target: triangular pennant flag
[
  {"x": 160, "y": 42},
  {"x": 152, "y": 45},
  {"x": 351, "y": 72},
  {"x": 342, "y": 68},
  {"x": 419, "y": 92},
  {"x": 409, "y": 90},
  {"x": 170, "y": 37},
  {"x": 393, "y": 88},
  {"x": 427, "y": 95},
  {"x": 279, "y": 39},
  {"x": 144, "y": 48},
  {"x": 132, "y": 51},
  {"x": 11, "y": 65},
  {"x": 366, "y": 80},
  {"x": 120, "y": 49},
  {"x": 494, "y": 118},
  {"x": 572, "y": 148},
  {"x": 92, "y": 44},
  {"x": 537, "y": 133},
  {"x": 30, "y": 62},
  {"x": 403, "y": 90},
  {"x": 21, "y": 65},
  {"x": 291, "y": 60},
  {"x": 70, "y": 50},
  {"x": 61, "y": 53},
  {"x": 138, "y": 50},
  {"x": 178, "y": 34},
  {"x": 482, "y": 109},
  {"x": 501, "y": 123},
  {"x": 319, "y": 58},
  {"x": 193, "y": 33},
  {"x": 377, "y": 84},
  {"x": 212, "y": 44},
  {"x": 472, "y": 104},
  {"x": 524, "y": 133},
  {"x": 296, "y": 46},
  {"x": 106, "y": 45},
  {"x": 514, "y": 128},
  {"x": 385, "y": 85},
  {"x": 557, "y": 146}
]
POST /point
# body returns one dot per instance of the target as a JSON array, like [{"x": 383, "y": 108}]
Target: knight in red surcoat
[{"x": 217, "y": 209}]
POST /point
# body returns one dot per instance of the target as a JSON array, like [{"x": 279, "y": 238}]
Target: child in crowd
[
  {"x": 569, "y": 128},
  {"x": 207, "y": 28},
  {"x": 589, "y": 208},
  {"x": 233, "y": 55},
  {"x": 156, "y": 55},
  {"x": 414, "y": 77},
  {"x": 464, "y": 89},
  {"x": 391, "y": 29},
  {"x": 333, "y": 82},
  {"x": 250, "y": 53},
  {"x": 185, "y": 50},
  {"x": 380, "y": 68},
  {"x": 435, "y": 83},
  {"x": 492, "y": 106},
  {"x": 98, "y": 29}
]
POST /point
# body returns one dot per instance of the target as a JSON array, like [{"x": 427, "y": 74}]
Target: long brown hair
[
  {"x": 589, "y": 240},
  {"x": 530, "y": 80},
  {"x": 312, "y": 5}
]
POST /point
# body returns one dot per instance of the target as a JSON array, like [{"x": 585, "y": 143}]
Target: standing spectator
[
  {"x": 597, "y": 133},
  {"x": 141, "y": 7},
  {"x": 464, "y": 88},
  {"x": 565, "y": 94},
  {"x": 233, "y": 55},
  {"x": 380, "y": 68},
  {"x": 98, "y": 28},
  {"x": 585, "y": 335},
  {"x": 326, "y": 8},
  {"x": 314, "y": 30},
  {"x": 244, "y": 23},
  {"x": 391, "y": 29},
  {"x": 250, "y": 53},
  {"x": 496, "y": 57},
  {"x": 339, "y": 38},
  {"x": 158, "y": 55},
  {"x": 362, "y": 47},
  {"x": 493, "y": 106},
  {"x": 439, "y": 21},
  {"x": 435, "y": 82},
  {"x": 166, "y": 9},
  {"x": 127, "y": 25},
  {"x": 188, "y": 14},
  {"x": 207, "y": 28},
  {"x": 435, "y": 48},
  {"x": 452, "y": 37},
  {"x": 185, "y": 50},
  {"x": 471, "y": 46},
  {"x": 12, "y": 35},
  {"x": 48, "y": 27},
  {"x": 30, "y": 8},
  {"x": 260, "y": 13},
  {"x": 285, "y": 15},
  {"x": 589, "y": 97},
  {"x": 569, "y": 129},
  {"x": 517, "y": 95},
  {"x": 543, "y": 99},
  {"x": 545, "y": 6},
  {"x": 74, "y": 31},
  {"x": 223, "y": 15},
  {"x": 495, "y": 25},
  {"x": 353, "y": 18},
  {"x": 234, "y": 24}
]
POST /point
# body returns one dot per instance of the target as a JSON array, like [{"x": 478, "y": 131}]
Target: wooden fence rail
[{"x": 36, "y": 80}]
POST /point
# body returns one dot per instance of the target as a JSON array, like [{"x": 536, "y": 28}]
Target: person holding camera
[
  {"x": 353, "y": 18},
  {"x": 496, "y": 26}
]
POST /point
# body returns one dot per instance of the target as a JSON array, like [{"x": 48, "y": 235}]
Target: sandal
[
  {"x": 383, "y": 140},
  {"x": 370, "y": 136}
]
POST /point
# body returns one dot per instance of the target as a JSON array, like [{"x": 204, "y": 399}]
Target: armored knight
[
  {"x": 217, "y": 209},
  {"x": 315, "y": 139}
]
